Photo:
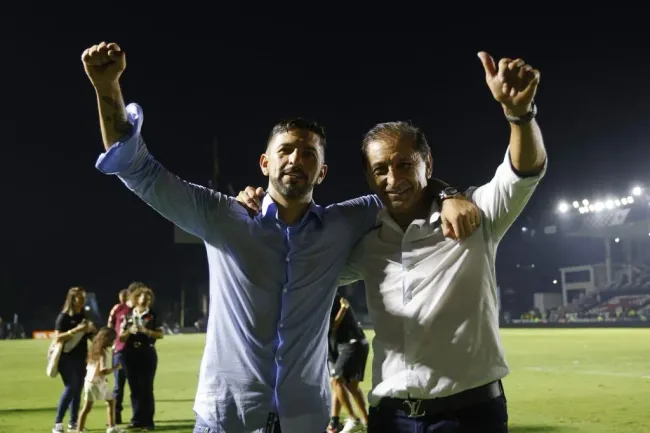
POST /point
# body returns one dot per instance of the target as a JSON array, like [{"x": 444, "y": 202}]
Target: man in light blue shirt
[{"x": 272, "y": 277}]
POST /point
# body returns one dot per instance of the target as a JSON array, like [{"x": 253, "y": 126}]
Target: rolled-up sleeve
[
  {"x": 193, "y": 208},
  {"x": 505, "y": 196}
]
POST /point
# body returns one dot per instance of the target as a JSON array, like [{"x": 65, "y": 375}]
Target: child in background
[{"x": 96, "y": 382}]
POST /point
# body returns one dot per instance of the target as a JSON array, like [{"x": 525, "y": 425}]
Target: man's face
[
  {"x": 397, "y": 173},
  {"x": 294, "y": 163}
]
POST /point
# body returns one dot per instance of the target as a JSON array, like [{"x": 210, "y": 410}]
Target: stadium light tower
[
  {"x": 563, "y": 207},
  {"x": 637, "y": 191}
]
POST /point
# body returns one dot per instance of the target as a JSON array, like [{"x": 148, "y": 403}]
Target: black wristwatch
[
  {"x": 520, "y": 120},
  {"x": 445, "y": 193}
]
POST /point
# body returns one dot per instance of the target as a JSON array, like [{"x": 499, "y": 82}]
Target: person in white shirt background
[{"x": 438, "y": 358}]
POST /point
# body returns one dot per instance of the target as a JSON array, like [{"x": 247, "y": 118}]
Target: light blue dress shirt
[{"x": 271, "y": 290}]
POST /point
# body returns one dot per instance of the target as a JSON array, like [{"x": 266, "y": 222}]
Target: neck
[
  {"x": 139, "y": 308},
  {"x": 420, "y": 211},
  {"x": 290, "y": 210}
]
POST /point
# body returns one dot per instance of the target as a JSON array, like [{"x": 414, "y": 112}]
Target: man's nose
[
  {"x": 391, "y": 178},
  {"x": 295, "y": 158}
]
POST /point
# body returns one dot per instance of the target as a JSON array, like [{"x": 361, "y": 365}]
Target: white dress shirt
[{"x": 433, "y": 301}]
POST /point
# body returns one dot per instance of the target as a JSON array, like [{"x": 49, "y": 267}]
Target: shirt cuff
[
  {"x": 122, "y": 154},
  {"x": 514, "y": 175}
]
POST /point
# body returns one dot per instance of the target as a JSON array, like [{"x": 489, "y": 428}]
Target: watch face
[{"x": 450, "y": 191}]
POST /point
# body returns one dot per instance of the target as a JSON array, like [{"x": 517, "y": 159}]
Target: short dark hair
[
  {"x": 395, "y": 130},
  {"x": 287, "y": 125}
]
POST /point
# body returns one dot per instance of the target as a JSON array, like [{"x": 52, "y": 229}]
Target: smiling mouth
[{"x": 397, "y": 193}]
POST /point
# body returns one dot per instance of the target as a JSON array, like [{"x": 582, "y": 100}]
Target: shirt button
[
  {"x": 285, "y": 290},
  {"x": 280, "y": 358},
  {"x": 281, "y": 325},
  {"x": 287, "y": 259}
]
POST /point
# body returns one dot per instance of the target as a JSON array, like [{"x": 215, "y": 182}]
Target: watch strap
[{"x": 526, "y": 118}]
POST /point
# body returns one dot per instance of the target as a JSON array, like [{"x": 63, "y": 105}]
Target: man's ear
[
  {"x": 264, "y": 164},
  {"x": 322, "y": 174},
  {"x": 428, "y": 161}
]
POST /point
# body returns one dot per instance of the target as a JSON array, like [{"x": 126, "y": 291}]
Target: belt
[
  {"x": 414, "y": 408},
  {"x": 138, "y": 345}
]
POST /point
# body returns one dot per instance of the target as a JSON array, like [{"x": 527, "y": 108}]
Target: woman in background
[
  {"x": 140, "y": 329},
  {"x": 72, "y": 329}
]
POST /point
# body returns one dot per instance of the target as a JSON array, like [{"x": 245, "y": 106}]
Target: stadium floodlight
[
  {"x": 524, "y": 229},
  {"x": 584, "y": 206},
  {"x": 617, "y": 240},
  {"x": 554, "y": 281}
]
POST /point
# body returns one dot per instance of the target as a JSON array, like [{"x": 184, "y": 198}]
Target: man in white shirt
[{"x": 438, "y": 358}]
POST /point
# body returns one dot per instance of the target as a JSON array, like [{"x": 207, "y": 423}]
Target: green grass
[{"x": 592, "y": 381}]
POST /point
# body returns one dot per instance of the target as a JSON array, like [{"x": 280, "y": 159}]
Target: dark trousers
[
  {"x": 141, "y": 364},
  {"x": 120, "y": 381},
  {"x": 490, "y": 416},
  {"x": 72, "y": 371}
]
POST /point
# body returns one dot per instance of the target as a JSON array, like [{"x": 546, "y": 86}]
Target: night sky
[{"x": 64, "y": 223}]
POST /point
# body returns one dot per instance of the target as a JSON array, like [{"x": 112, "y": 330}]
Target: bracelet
[{"x": 526, "y": 118}]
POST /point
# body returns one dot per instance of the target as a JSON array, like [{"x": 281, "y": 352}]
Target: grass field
[{"x": 591, "y": 381}]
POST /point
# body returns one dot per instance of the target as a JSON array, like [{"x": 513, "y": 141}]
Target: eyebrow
[{"x": 307, "y": 146}]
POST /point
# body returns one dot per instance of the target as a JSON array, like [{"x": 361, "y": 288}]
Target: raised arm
[
  {"x": 514, "y": 85},
  {"x": 192, "y": 207},
  {"x": 344, "y": 305}
]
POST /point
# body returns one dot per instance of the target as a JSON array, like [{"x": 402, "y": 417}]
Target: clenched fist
[{"x": 104, "y": 63}]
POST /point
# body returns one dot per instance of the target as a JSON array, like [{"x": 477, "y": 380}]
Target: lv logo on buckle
[{"x": 414, "y": 408}]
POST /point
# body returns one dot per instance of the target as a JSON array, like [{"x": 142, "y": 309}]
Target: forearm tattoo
[{"x": 116, "y": 116}]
